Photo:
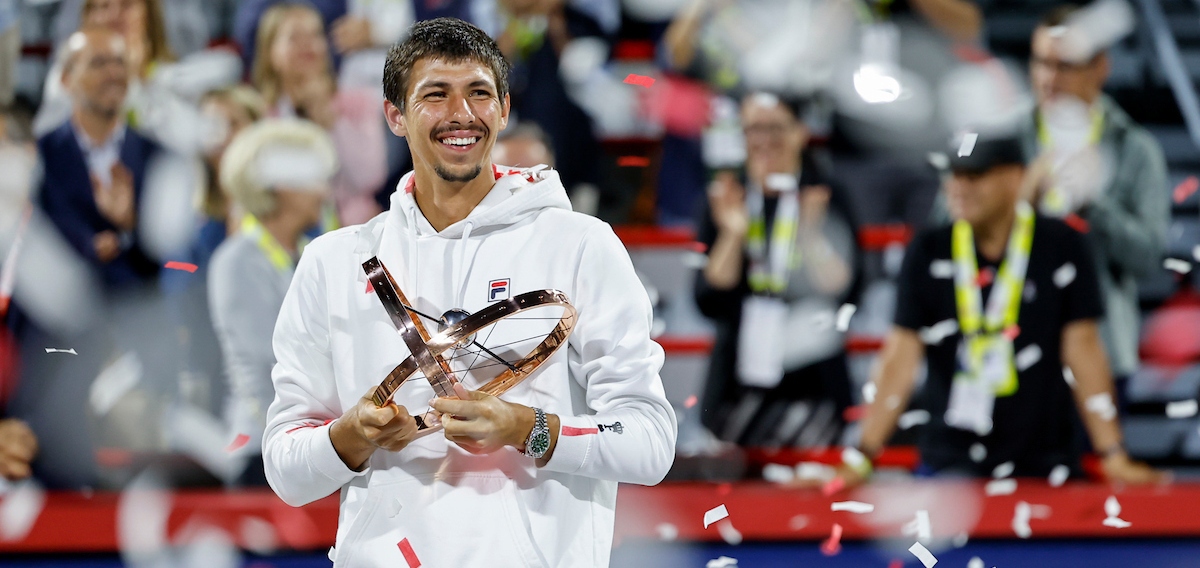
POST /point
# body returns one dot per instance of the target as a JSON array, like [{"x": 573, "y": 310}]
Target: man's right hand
[
  {"x": 18, "y": 447},
  {"x": 366, "y": 427}
]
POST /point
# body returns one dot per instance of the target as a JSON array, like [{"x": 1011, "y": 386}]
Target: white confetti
[
  {"x": 1020, "y": 522},
  {"x": 394, "y": 507},
  {"x": 1182, "y": 409},
  {"x": 844, "y": 314},
  {"x": 722, "y": 562},
  {"x": 978, "y": 452},
  {"x": 715, "y": 514},
  {"x": 142, "y": 513},
  {"x": 960, "y": 540},
  {"x": 857, "y": 507},
  {"x": 69, "y": 351},
  {"x": 1069, "y": 376},
  {"x": 728, "y": 533},
  {"x": 22, "y": 505},
  {"x": 1101, "y": 404},
  {"x": 1176, "y": 265},
  {"x": 912, "y": 418},
  {"x": 975, "y": 562},
  {"x": 1059, "y": 475},
  {"x": 919, "y": 526},
  {"x": 1000, "y": 487},
  {"x": 868, "y": 392},
  {"x": 259, "y": 535},
  {"x": 778, "y": 473},
  {"x": 938, "y": 332},
  {"x": 942, "y": 269},
  {"x": 923, "y": 554},
  {"x": 1117, "y": 523},
  {"x": 1003, "y": 470},
  {"x": 1064, "y": 275},
  {"x": 806, "y": 471},
  {"x": 968, "y": 144},
  {"x": 1196, "y": 253},
  {"x": 667, "y": 531},
  {"x": 1112, "y": 507},
  {"x": 798, "y": 522},
  {"x": 1027, "y": 357},
  {"x": 114, "y": 382}
]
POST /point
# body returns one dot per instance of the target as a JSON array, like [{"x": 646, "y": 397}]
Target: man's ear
[
  {"x": 504, "y": 109},
  {"x": 395, "y": 119}
]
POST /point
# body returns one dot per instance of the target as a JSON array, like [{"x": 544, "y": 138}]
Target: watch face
[{"x": 539, "y": 443}]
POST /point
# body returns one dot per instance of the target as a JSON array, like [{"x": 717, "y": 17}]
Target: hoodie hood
[{"x": 517, "y": 194}]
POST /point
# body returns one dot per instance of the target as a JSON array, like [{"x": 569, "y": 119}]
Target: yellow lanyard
[
  {"x": 279, "y": 256},
  {"x": 1004, "y": 303},
  {"x": 770, "y": 268}
]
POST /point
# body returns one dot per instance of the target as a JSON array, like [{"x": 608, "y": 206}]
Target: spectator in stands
[
  {"x": 278, "y": 172},
  {"x": 997, "y": 303},
  {"x": 524, "y": 145},
  {"x": 781, "y": 259},
  {"x": 95, "y": 164},
  {"x": 292, "y": 69},
  {"x": 10, "y": 49},
  {"x": 1125, "y": 212}
]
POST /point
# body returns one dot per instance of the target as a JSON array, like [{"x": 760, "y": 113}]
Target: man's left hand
[
  {"x": 1118, "y": 467},
  {"x": 481, "y": 423}
]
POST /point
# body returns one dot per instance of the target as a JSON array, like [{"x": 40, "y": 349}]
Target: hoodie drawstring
[{"x": 460, "y": 270}]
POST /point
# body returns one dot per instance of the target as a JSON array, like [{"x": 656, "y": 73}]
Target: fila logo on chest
[{"x": 499, "y": 290}]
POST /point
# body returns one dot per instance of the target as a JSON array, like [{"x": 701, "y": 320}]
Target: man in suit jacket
[{"x": 95, "y": 164}]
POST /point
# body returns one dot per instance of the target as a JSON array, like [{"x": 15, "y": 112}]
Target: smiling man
[{"x": 530, "y": 480}]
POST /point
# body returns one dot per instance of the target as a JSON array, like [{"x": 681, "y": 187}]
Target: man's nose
[{"x": 460, "y": 110}]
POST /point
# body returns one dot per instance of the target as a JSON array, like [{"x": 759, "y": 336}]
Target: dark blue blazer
[{"x": 66, "y": 197}]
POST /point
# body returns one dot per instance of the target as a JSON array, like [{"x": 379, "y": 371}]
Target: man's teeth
[{"x": 460, "y": 141}]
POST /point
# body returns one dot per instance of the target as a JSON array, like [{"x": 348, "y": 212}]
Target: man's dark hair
[
  {"x": 1058, "y": 15},
  {"x": 448, "y": 39}
]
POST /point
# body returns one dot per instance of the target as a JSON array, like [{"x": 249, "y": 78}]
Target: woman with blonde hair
[
  {"x": 292, "y": 69},
  {"x": 278, "y": 172}
]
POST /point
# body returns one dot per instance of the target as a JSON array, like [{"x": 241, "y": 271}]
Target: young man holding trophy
[{"x": 528, "y": 479}]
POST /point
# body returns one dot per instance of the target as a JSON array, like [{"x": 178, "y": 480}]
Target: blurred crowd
[{"x": 161, "y": 181}]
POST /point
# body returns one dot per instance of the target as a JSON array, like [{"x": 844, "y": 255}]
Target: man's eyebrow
[{"x": 446, "y": 85}]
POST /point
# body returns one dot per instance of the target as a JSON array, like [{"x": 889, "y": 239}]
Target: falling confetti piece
[
  {"x": 975, "y": 562},
  {"x": 370, "y": 288},
  {"x": 857, "y": 507},
  {"x": 667, "y": 531},
  {"x": 639, "y": 80},
  {"x": 938, "y": 332},
  {"x": 1027, "y": 357},
  {"x": 1102, "y": 405},
  {"x": 833, "y": 544},
  {"x": 1112, "y": 507},
  {"x": 942, "y": 269},
  {"x": 836, "y": 484},
  {"x": 394, "y": 507},
  {"x": 1078, "y": 223},
  {"x": 259, "y": 535},
  {"x": 855, "y": 413},
  {"x": 1059, "y": 475},
  {"x": 723, "y": 489},
  {"x": 844, "y": 314},
  {"x": 985, "y": 277},
  {"x": 868, "y": 392},
  {"x": 722, "y": 562},
  {"x": 1012, "y": 332},
  {"x": 1003, "y": 470},
  {"x": 919, "y": 526},
  {"x": 968, "y": 144},
  {"x": 410, "y": 555},
  {"x": 1186, "y": 188},
  {"x": 1117, "y": 523},
  {"x": 690, "y": 402},
  {"x": 778, "y": 473},
  {"x": 1000, "y": 487},
  {"x": 20, "y": 509},
  {"x": 1178, "y": 266},
  {"x": 237, "y": 443},
  {"x": 1064, "y": 275},
  {"x": 960, "y": 540},
  {"x": 1020, "y": 523},
  {"x": 896, "y": 564},
  {"x": 633, "y": 161},
  {"x": 728, "y": 533},
  {"x": 184, "y": 266},
  {"x": 798, "y": 522},
  {"x": 1196, "y": 253},
  {"x": 69, "y": 351},
  {"x": 715, "y": 514},
  {"x": 923, "y": 554},
  {"x": 912, "y": 418},
  {"x": 978, "y": 452},
  {"x": 1182, "y": 409}
]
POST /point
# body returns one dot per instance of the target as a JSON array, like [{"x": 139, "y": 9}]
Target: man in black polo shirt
[{"x": 998, "y": 303}]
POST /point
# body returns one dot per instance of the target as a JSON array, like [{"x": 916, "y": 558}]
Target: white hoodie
[{"x": 334, "y": 341}]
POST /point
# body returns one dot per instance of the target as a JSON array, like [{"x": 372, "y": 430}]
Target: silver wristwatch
[{"x": 538, "y": 441}]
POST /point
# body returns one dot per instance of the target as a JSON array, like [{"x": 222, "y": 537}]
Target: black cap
[{"x": 988, "y": 151}]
